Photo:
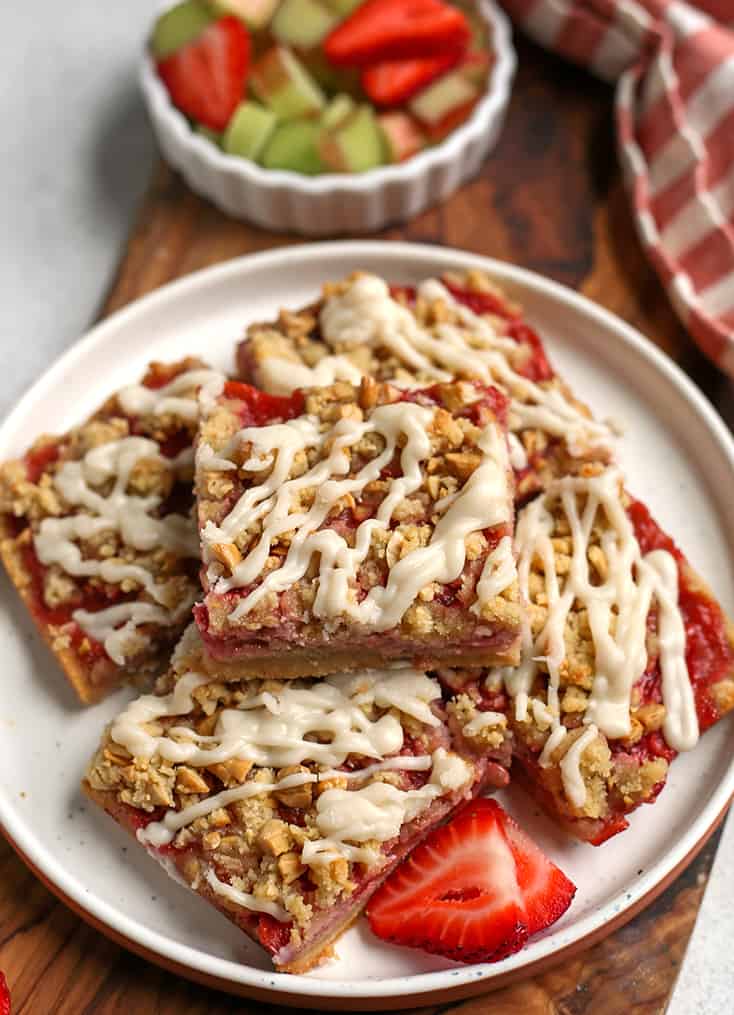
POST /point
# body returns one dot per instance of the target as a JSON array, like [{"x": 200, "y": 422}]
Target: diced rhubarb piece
[
  {"x": 178, "y": 26},
  {"x": 256, "y": 14},
  {"x": 436, "y": 132},
  {"x": 394, "y": 594},
  {"x": 331, "y": 78},
  {"x": 281, "y": 81},
  {"x": 343, "y": 7},
  {"x": 324, "y": 820},
  {"x": 475, "y": 66},
  {"x": 294, "y": 146},
  {"x": 393, "y": 82},
  {"x": 302, "y": 23},
  {"x": 354, "y": 145},
  {"x": 337, "y": 111},
  {"x": 249, "y": 130},
  {"x": 402, "y": 137},
  {"x": 397, "y": 29},
  {"x": 206, "y": 78},
  {"x": 442, "y": 98}
]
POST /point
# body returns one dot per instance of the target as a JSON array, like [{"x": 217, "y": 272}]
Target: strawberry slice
[
  {"x": 457, "y": 895},
  {"x": 206, "y": 78},
  {"x": 394, "y": 81},
  {"x": 546, "y": 890},
  {"x": 4, "y": 996},
  {"x": 396, "y": 29}
]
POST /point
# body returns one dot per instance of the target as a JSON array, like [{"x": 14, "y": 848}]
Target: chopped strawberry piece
[
  {"x": 395, "y": 30},
  {"x": 273, "y": 934},
  {"x": 206, "y": 78},
  {"x": 546, "y": 890},
  {"x": 394, "y": 81},
  {"x": 260, "y": 408},
  {"x": 4, "y": 996},
  {"x": 37, "y": 460},
  {"x": 457, "y": 894}
]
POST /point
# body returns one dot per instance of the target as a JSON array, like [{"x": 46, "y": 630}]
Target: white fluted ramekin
[{"x": 336, "y": 203}]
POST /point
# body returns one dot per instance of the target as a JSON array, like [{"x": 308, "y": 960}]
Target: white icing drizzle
[
  {"x": 272, "y": 730},
  {"x": 282, "y": 376},
  {"x": 244, "y": 899},
  {"x": 161, "y": 833},
  {"x": 482, "y": 720},
  {"x": 482, "y": 502},
  {"x": 518, "y": 455},
  {"x": 681, "y": 721},
  {"x": 617, "y": 609},
  {"x": 56, "y": 541},
  {"x": 573, "y": 781},
  {"x": 138, "y": 400},
  {"x": 498, "y": 573},
  {"x": 117, "y": 627},
  {"x": 377, "y": 811},
  {"x": 365, "y": 314}
]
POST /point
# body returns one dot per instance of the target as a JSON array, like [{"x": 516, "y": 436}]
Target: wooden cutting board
[{"x": 550, "y": 198}]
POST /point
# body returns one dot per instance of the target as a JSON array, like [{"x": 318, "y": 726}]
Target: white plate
[{"x": 678, "y": 456}]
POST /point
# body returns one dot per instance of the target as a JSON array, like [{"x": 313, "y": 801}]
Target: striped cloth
[{"x": 674, "y": 67}]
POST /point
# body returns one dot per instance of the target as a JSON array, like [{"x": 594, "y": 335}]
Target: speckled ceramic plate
[{"x": 679, "y": 458}]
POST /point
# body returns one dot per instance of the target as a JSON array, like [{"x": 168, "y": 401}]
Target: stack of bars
[{"x": 416, "y": 561}]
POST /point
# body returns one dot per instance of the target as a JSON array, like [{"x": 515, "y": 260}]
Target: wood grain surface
[{"x": 550, "y": 198}]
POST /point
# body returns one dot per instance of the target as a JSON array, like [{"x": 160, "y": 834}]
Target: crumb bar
[
  {"x": 627, "y": 657},
  {"x": 97, "y": 534},
  {"x": 348, "y": 526},
  {"x": 285, "y": 803}
]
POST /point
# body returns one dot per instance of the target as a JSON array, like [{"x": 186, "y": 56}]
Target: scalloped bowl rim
[{"x": 489, "y": 107}]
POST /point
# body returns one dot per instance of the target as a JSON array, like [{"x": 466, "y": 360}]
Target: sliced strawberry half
[
  {"x": 206, "y": 78},
  {"x": 457, "y": 895},
  {"x": 546, "y": 890},
  {"x": 396, "y": 29},
  {"x": 4, "y": 996},
  {"x": 395, "y": 81}
]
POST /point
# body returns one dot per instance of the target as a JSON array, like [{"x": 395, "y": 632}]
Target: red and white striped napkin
[{"x": 674, "y": 67}]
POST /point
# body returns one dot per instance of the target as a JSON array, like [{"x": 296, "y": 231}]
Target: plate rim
[{"x": 289, "y": 988}]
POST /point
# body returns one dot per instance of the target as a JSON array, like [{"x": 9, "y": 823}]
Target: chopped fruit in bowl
[
  {"x": 327, "y": 117},
  {"x": 475, "y": 890},
  {"x": 298, "y": 84}
]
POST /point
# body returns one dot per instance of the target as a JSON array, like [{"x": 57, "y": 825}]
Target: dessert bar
[
  {"x": 351, "y": 526},
  {"x": 459, "y": 326},
  {"x": 286, "y": 803},
  {"x": 96, "y": 530}
]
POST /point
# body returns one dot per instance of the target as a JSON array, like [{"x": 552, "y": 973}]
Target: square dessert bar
[
  {"x": 286, "y": 803},
  {"x": 347, "y": 526},
  {"x": 459, "y": 326},
  {"x": 626, "y": 656},
  {"x": 97, "y": 534}
]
